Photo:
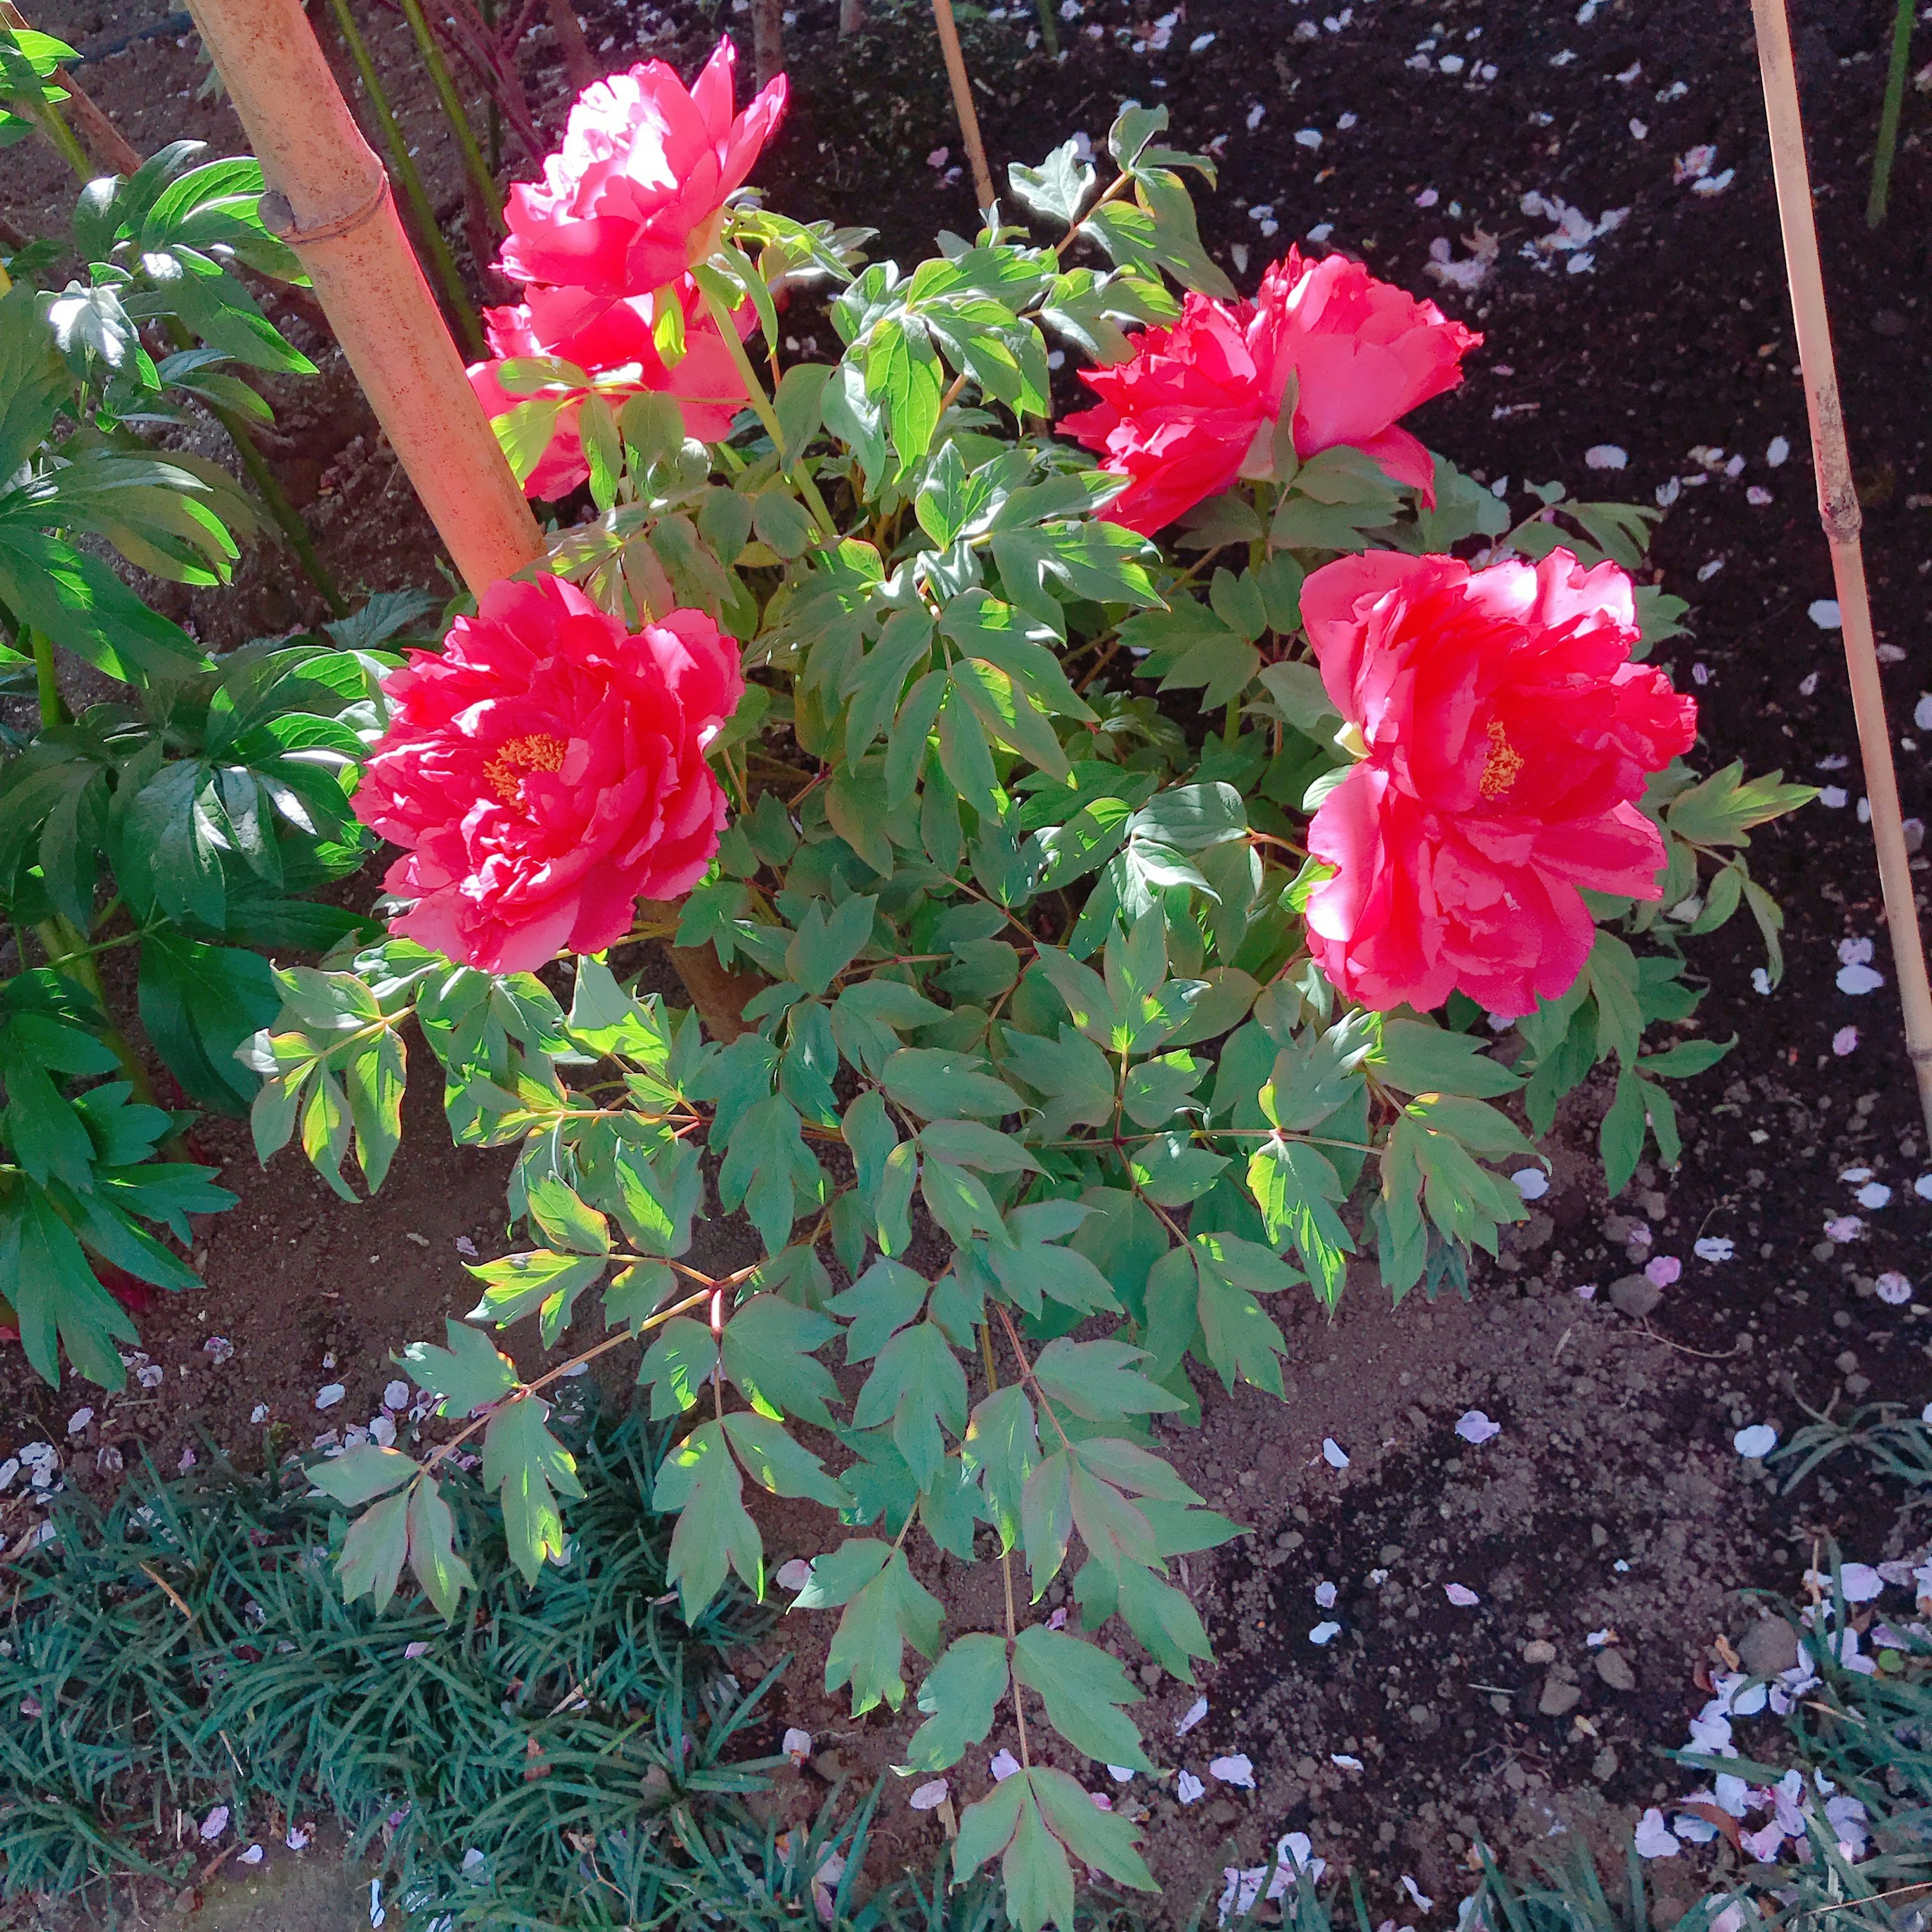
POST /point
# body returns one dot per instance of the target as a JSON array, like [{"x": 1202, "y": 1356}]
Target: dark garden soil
[{"x": 1612, "y": 1499}]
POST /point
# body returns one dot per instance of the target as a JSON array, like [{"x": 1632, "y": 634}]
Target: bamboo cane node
[
  {"x": 1920, "y": 1056},
  {"x": 279, "y": 218},
  {"x": 1842, "y": 521}
]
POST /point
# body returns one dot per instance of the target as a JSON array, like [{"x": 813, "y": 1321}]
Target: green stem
[
  {"x": 1888, "y": 119},
  {"x": 1049, "y": 32},
  {"x": 456, "y": 296},
  {"x": 46, "y": 682},
  {"x": 53, "y": 124},
  {"x": 761, "y": 407},
  {"x": 457, "y": 115},
  {"x": 69, "y": 954}
]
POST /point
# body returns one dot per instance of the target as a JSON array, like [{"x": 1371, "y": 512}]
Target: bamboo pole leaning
[
  {"x": 1838, "y": 510},
  {"x": 331, "y": 202},
  {"x": 962, "y": 103}
]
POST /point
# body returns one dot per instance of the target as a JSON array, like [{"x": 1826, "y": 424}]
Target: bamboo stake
[
  {"x": 962, "y": 103},
  {"x": 1838, "y": 510},
  {"x": 341, "y": 219}
]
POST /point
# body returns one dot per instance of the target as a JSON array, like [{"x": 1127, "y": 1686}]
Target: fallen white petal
[
  {"x": 1859, "y": 979},
  {"x": 329, "y": 1394},
  {"x": 1714, "y": 1248},
  {"x": 1893, "y": 1288},
  {"x": 1654, "y": 1837},
  {"x": 794, "y": 1575},
  {"x": 1003, "y": 1765},
  {"x": 929, "y": 1796},
  {"x": 1532, "y": 1182},
  {"x": 1874, "y": 1194},
  {"x": 1460, "y": 1595},
  {"x": 1823, "y": 611},
  {"x": 1192, "y": 1716},
  {"x": 1187, "y": 1787},
  {"x": 1235, "y": 1768},
  {"x": 1333, "y": 1454},
  {"x": 214, "y": 1824},
  {"x": 1477, "y": 1427},
  {"x": 78, "y": 1420},
  {"x": 1324, "y": 1596},
  {"x": 1325, "y": 1632},
  {"x": 1605, "y": 456},
  {"x": 1758, "y": 1441},
  {"x": 796, "y": 1744}
]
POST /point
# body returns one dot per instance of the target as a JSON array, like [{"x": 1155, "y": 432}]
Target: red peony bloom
[
  {"x": 614, "y": 340},
  {"x": 1508, "y": 738},
  {"x": 545, "y": 770},
  {"x": 632, "y": 197},
  {"x": 1195, "y": 408}
]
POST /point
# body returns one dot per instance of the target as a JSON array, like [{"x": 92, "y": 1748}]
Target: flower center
[
  {"x": 543, "y": 752},
  {"x": 1500, "y": 769}
]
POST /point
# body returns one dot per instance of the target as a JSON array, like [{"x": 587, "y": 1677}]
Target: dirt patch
[{"x": 1612, "y": 1499}]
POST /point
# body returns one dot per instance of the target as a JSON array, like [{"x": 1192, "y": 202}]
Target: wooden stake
[
  {"x": 331, "y": 202},
  {"x": 962, "y": 103},
  {"x": 1838, "y": 510}
]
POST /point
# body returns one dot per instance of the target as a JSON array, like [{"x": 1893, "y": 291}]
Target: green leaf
[
  {"x": 361, "y": 1475},
  {"x": 822, "y": 947},
  {"x": 1295, "y": 1186},
  {"x": 561, "y": 1218},
  {"x": 530, "y": 1469},
  {"x": 374, "y": 1551},
  {"x": 1621, "y": 1134},
  {"x": 1001, "y": 1449},
  {"x": 960, "y": 1695},
  {"x": 1083, "y": 1689},
  {"x": 1099, "y": 1380},
  {"x": 773, "y": 1459},
  {"x": 699, "y": 1481},
  {"x": 768, "y": 1353},
  {"x": 434, "y": 1562},
  {"x": 676, "y": 1367},
  {"x": 916, "y": 1384},
  {"x": 937, "y": 1085},
  {"x": 57, "y": 1302},
  {"x": 469, "y": 1374},
  {"x": 868, "y": 1649},
  {"x": 539, "y": 1279},
  {"x": 1418, "y": 1058},
  {"x": 1059, "y": 188}
]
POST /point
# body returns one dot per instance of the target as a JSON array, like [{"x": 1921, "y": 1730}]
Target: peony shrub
[{"x": 1103, "y": 885}]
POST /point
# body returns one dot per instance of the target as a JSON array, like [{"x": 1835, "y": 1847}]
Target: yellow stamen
[
  {"x": 1500, "y": 769},
  {"x": 541, "y": 751}
]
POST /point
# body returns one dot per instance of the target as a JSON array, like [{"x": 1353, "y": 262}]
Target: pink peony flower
[
  {"x": 545, "y": 770},
  {"x": 1507, "y": 740},
  {"x": 1195, "y": 408},
  {"x": 633, "y": 196},
  {"x": 613, "y": 340}
]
